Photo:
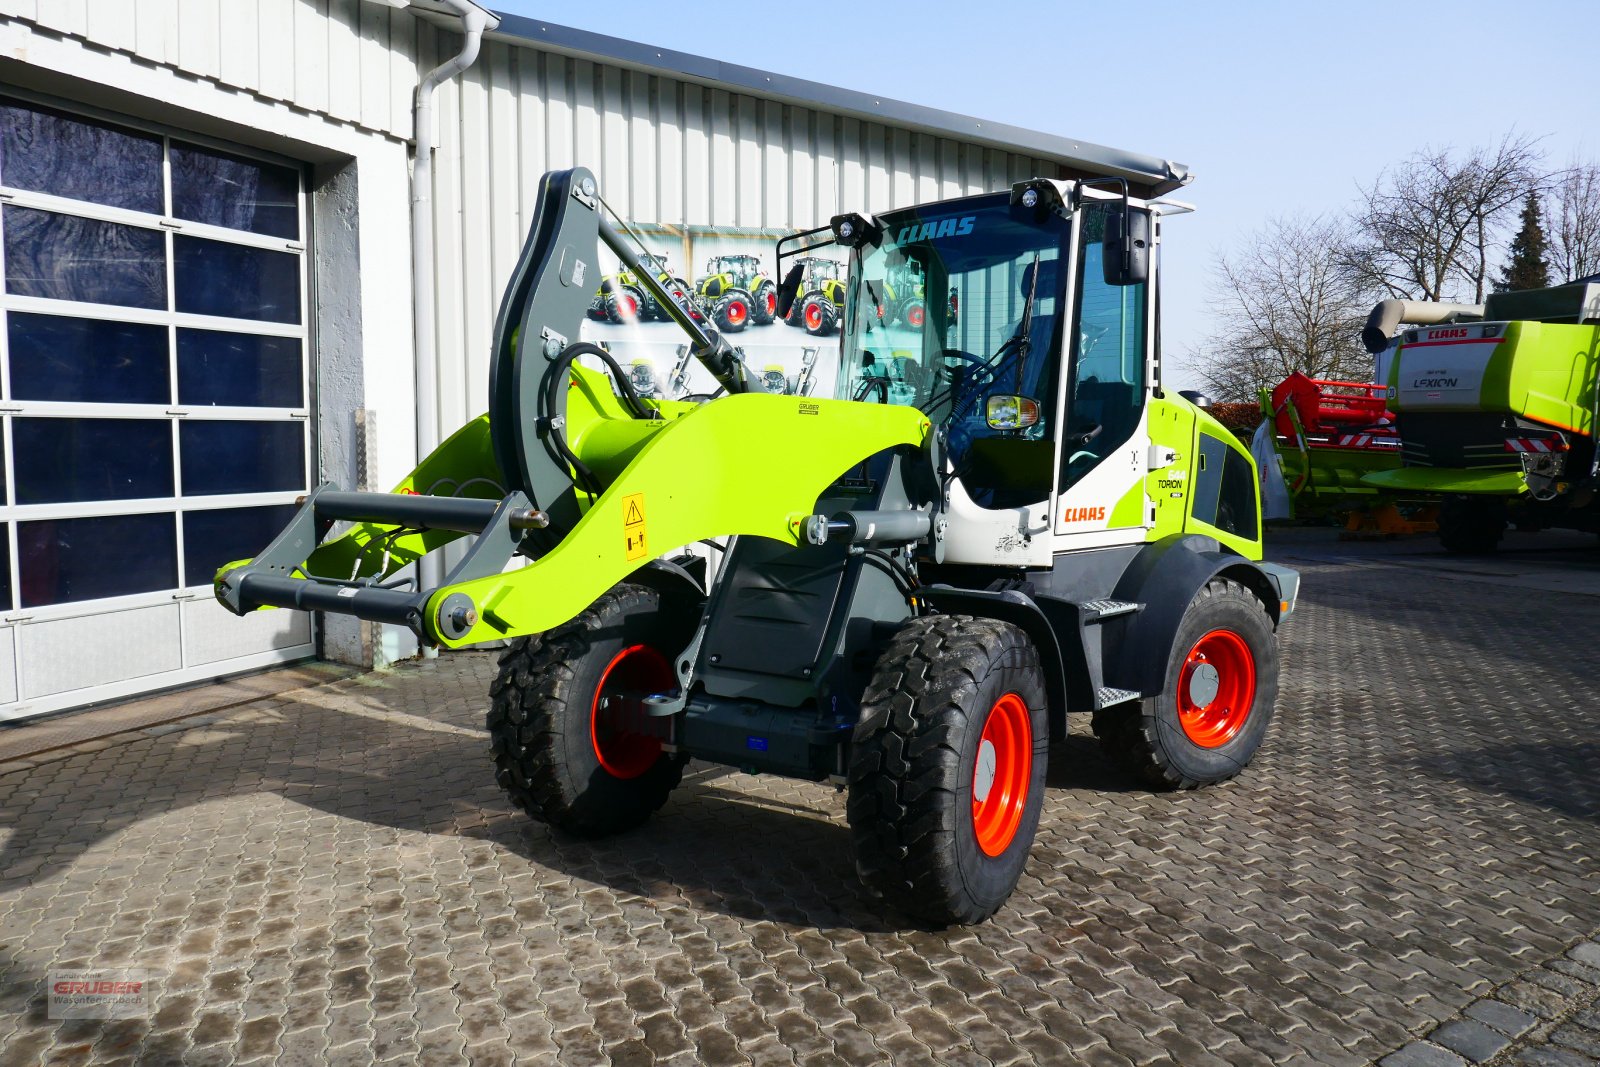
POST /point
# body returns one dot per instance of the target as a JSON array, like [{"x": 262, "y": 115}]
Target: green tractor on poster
[
  {"x": 623, "y": 298},
  {"x": 737, "y": 292},
  {"x": 820, "y": 297}
]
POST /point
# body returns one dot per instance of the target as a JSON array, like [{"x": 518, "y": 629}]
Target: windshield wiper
[{"x": 1025, "y": 329}]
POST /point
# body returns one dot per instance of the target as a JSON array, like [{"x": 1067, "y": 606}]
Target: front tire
[
  {"x": 1214, "y": 710},
  {"x": 819, "y": 316},
  {"x": 572, "y": 745},
  {"x": 765, "y": 308},
  {"x": 947, "y": 775}
]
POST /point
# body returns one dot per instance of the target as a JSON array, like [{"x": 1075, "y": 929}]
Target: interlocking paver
[{"x": 331, "y": 876}]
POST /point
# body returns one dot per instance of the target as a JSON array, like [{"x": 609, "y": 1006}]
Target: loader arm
[{"x": 747, "y": 465}]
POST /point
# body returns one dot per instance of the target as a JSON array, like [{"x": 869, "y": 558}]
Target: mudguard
[
  {"x": 1165, "y": 577},
  {"x": 1009, "y": 605}
]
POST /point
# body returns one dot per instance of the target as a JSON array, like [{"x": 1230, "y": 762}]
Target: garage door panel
[
  {"x": 212, "y": 634},
  {"x": 78, "y": 653},
  {"x": 138, "y": 456}
]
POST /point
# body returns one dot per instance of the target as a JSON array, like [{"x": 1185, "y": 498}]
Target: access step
[
  {"x": 1100, "y": 610},
  {"x": 1106, "y": 696}
]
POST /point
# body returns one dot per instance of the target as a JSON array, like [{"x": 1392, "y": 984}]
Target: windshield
[{"x": 959, "y": 302}]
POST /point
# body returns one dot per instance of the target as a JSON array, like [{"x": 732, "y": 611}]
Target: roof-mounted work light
[{"x": 854, "y": 230}]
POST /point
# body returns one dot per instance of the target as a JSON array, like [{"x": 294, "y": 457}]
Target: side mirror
[
  {"x": 1125, "y": 249},
  {"x": 789, "y": 289}
]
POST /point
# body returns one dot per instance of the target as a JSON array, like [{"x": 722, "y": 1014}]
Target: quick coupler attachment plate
[{"x": 279, "y": 576}]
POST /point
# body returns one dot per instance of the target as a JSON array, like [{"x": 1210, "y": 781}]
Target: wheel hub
[
  {"x": 983, "y": 781},
  {"x": 1217, "y": 689},
  {"x": 1001, "y": 774},
  {"x": 1203, "y": 684}
]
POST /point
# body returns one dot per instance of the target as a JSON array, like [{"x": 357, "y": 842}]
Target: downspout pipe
[
  {"x": 1389, "y": 314},
  {"x": 474, "y": 20}
]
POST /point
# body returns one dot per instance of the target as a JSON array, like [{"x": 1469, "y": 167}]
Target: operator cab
[{"x": 1035, "y": 366}]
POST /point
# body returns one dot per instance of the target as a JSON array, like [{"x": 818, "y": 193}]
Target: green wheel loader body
[{"x": 1008, "y": 493}]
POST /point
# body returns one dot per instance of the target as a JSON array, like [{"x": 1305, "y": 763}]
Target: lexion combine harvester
[
  {"x": 996, "y": 524},
  {"x": 1498, "y": 416}
]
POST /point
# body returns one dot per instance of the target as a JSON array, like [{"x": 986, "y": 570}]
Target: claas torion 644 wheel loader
[{"x": 990, "y": 527}]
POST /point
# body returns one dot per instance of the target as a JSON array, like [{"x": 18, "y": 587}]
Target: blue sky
[{"x": 1279, "y": 108}]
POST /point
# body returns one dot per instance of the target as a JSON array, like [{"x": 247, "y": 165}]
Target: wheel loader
[
  {"x": 1498, "y": 409},
  {"x": 991, "y": 526}
]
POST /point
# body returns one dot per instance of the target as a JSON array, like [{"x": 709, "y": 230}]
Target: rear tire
[
  {"x": 1214, "y": 710},
  {"x": 733, "y": 311},
  {"x": 559, "y": 753},
  {"x": 947, "y": 774},
  {"x": 913, "y": 313},
  {"x": 819, "y": 316},
  {"x": 624, "y": 304},
  {"x": 1471, "y": 526}
]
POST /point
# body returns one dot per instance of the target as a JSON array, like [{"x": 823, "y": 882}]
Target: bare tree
[
  {"x": 1575, "y": 222},
  {"x": 1425, "y": 229},
  {"x": 1284, "y": 303}
]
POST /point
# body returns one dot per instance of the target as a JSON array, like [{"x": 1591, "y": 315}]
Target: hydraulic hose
[{"x": 555, "y": 440}]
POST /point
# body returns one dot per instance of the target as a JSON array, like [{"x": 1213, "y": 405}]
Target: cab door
[{"x": 1104, "y": 444}]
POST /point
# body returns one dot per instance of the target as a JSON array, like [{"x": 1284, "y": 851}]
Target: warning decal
[{"x": 633, "y": 525}]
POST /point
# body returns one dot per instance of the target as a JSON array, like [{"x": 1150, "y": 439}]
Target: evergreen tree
[{"x": 1529, "y": 268}]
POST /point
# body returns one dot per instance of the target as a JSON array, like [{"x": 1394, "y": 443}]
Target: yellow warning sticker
[{"x": 633, "y": 528}]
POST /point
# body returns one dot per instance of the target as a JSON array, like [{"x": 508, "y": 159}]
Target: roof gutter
[{"x": 1154, "y": 175}]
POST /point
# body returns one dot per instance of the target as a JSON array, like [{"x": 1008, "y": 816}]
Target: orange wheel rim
[
  {"x": 915, "y": 318},
  {"x": 813, "y": 316},
  {"x": 1216, "y": 689},
  {"x": 772, "y": 303},
  {"x": 736, "y": 312},
  {"x": 1001, "y": 775},
  {"x": 625, "y": 737}
]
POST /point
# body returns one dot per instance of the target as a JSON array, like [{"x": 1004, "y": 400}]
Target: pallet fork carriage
[{"x": 1002, "y": 520}]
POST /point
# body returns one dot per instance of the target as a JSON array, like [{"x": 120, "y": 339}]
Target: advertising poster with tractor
[{"x": 729, "y": 281}]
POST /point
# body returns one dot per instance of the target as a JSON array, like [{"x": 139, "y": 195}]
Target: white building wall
[{"x": 350, "y": 60}]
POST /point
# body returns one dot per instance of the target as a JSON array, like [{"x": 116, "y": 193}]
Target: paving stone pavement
[{"x": 331, "y": 876}]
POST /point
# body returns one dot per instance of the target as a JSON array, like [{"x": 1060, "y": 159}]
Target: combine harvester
[
  {"x": 1498, "y": 417},
  {"x": 913, "y": 597}
]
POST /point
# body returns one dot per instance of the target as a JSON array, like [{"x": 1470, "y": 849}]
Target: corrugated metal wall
[
  {"x": 351, "y": 60},
  {"x": 665, "y": 152}
]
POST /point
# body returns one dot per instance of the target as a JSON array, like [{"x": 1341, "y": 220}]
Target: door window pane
[
  {"x": 241, "y": 194},
  {"x": 216, "y": 367},
  {"x": 217, "y": 278},
  {"x": 61, "y": 460},
  {"x": 65, "y": 560},
  {"x": 65, "y": 257},
  {"x": 212, "y": 538},
  {"x": 87, "y": 360},
  {"x": 45, "y": 151},
  {"x": 242, "y": 457},
  {"x": 5, "y": 566}
]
